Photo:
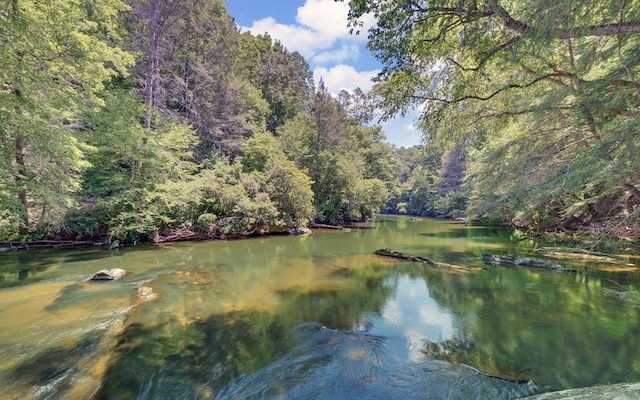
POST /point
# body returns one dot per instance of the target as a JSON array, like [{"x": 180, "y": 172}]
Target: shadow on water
[
  {"x": 195, "y": 361},
  {"x": 51, "y": 373},
  {"x": 19, "y": 268},
  {"x": 198, "y": 359}
]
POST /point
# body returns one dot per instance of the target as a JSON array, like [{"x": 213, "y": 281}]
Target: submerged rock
[
  {"x": 514, "y": 260},
  {"x": 144, "y": 294},
  {"x": 110, "y": 274}
]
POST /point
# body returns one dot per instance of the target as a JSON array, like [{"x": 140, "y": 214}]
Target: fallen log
[
  {"x": 325, "y": 226},
  {"x": 514, "y": 260},
  {"x": 407, "y": 257},
  {"x": 402, "y": 256}
]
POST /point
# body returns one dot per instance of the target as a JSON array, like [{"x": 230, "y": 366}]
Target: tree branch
[
  {"x": 487, "y": 56},
  {"x": 622, "y": 28},
  {"x": 496, "y": 10},
  {"x": 507, "y": 20},
  {"x": 491, "y": 95}
]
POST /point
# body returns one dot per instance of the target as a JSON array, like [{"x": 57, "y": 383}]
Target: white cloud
[
  {"x": 344, "y": 77},
  {"x": 326, "y": 17},
  {"x": 293, "y": 37},
  {"x": 321, "y": 26},
  {"x": 346, "y": 52}
]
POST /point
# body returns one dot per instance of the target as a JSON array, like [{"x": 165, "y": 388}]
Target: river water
[{"x": 314, "y": 317}]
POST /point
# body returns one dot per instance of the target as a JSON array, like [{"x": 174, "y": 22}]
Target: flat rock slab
[
  {"x": 111, "y": 274},
  {"x": 620, "y": 391},
  {"x": 514, "y": 260}
]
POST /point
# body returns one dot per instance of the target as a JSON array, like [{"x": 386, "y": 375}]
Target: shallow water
[{"x": 313, "y": 317}]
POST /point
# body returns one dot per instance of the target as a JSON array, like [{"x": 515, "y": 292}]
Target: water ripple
[{"x": 333, "y": 364}]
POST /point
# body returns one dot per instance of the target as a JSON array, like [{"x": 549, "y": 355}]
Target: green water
[{"x": 318, "y": 316}]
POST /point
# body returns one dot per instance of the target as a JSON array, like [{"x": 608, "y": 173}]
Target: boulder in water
[
  {"x": 110, "y": 274},
  {"x": 145, "y": 294},
  {"x": 300, "y": 231}
]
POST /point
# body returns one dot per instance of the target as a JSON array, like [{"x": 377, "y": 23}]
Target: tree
[
  {"x": 191, "y": 65},
  {"x": 157, "y": 17},
  {"x": 439, "y": 48},
  {"x": 135, "y": 187},
  {"x": 287, "y": 185},
  {"x": 552, "y": 84},
  {"x": 54, "y": 58},
  {"x": 285, "y": 80},
  {"x": 290, "y": 189},
  {"x": 419, "y": 186},
  {"x": 356, "y": 104},
  {"x": 346, "y": 161}
]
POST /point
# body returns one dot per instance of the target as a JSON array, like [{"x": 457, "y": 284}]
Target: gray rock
[
  {"x": 300, "y": 231},
  {"x": 111, "y": 274}
]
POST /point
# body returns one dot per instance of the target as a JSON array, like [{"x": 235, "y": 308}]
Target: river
[{"x": 314, "y": 317}]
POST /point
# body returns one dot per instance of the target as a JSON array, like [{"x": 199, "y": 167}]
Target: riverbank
[
  {"x": 617, "y": 232},
  {"x": 45, "y": 244},
  {"x": 594, "y": 240},
  {"x": 180, "y": 236}
]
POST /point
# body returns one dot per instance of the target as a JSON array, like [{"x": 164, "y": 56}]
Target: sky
[{"x": 318, "y": 30}]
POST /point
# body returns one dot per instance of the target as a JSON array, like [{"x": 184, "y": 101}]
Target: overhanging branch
[
  {"x": 520, "y": 27},
  {"x": 487, "y": 56},
  {"x": 491, "y": 95}
]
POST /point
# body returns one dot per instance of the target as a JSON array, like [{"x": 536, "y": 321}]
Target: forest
[
  {"x": 530, "y": 109},
  {"x": 160, "y": 120}
]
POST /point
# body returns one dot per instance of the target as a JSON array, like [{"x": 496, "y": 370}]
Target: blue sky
[{"x": 317, "y": 29}]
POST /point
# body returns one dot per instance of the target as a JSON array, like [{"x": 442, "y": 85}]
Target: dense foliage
[
  {"x": 430, "y": 183},
  {"x": 153, "y": 120},
  {"x": 542, "y": 97}
]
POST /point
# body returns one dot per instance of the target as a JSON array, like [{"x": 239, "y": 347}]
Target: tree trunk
[
  {"x": 22, "y": 191},
  {"x": 634, "y": 196},
  {"x": 633, "y": 190},
  {"x": 152, "y": 54}
]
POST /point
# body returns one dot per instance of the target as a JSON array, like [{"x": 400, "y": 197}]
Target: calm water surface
[{"x": 319, "y": 317}]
